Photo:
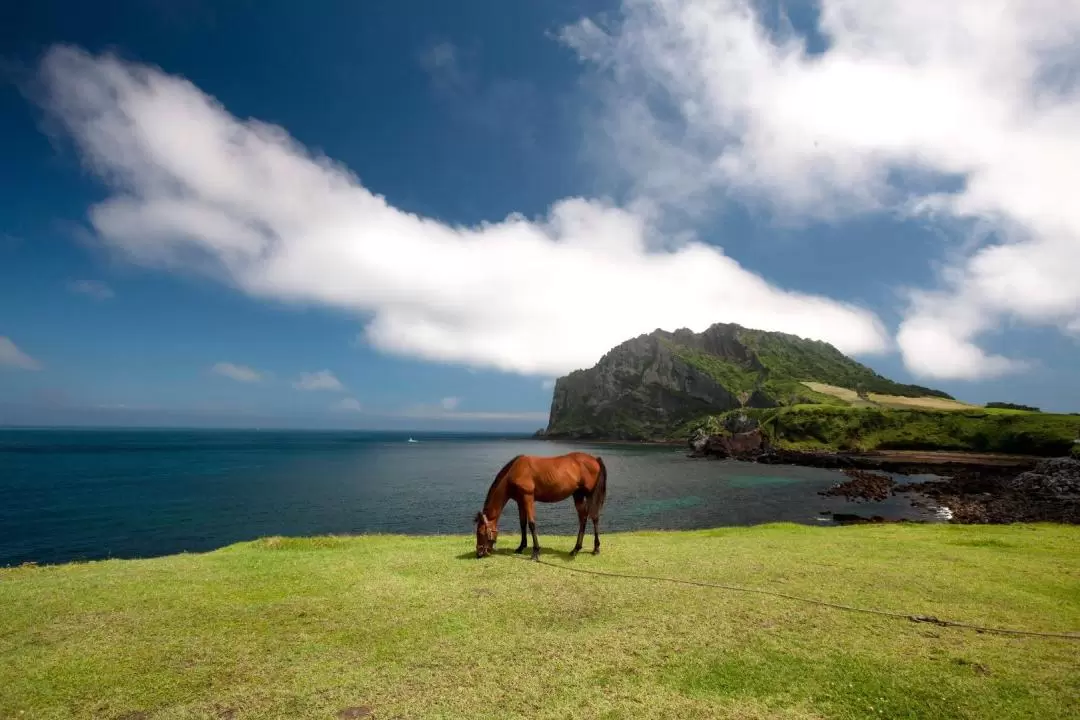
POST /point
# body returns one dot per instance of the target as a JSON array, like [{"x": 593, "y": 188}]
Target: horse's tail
[{"x": 596, "y": 500}]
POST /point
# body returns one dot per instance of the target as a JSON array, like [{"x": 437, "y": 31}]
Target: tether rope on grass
[{"x": 824, "y": 603}]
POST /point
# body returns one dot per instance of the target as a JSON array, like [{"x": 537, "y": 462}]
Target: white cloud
[
  {"x": 349, "y": 404},
  {"x": 92, "y": 288},
  {"x": 241, "y": 373},
  {"x": 194, "y": 187},
  {"x": 706, "y": 102},
  {"x": 450, "y": 403},
  {"x": 12, "y": 357},
  {"x": 321, "y": 380}
]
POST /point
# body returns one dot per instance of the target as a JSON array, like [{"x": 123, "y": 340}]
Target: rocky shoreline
[
  {"x": 974, "y": 488},
  {"x": 967, "y": 487}
]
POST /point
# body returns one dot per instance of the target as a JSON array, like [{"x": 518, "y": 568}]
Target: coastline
[
  {"x": 942, "y": 458},
  {"x": 966, "y": 487}
]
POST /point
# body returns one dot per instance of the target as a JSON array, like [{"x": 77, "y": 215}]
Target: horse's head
[{"x": 486, "y": 534}]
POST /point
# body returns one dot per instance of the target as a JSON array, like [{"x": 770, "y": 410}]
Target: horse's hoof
[
  {"x": 520, "y": 550},
  {"x": 596, "y": 551},
  {"x": 574, "y": 552},
  {"x": 536, "y": 556}
]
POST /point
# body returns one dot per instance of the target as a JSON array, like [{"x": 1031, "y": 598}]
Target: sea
[{"x": 90, "y": 494}]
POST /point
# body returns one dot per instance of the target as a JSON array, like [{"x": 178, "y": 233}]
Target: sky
[{"x": 412, "y": 215}]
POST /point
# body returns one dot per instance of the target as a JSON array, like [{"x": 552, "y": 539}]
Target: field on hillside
[
  {"x": 894, "y": 401},
  {"x": 416, "y": 627}
]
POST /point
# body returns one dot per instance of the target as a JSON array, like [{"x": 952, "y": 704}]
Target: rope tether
[{"x": 887, "y": 613}]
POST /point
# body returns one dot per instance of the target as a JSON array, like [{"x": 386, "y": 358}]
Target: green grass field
[
  {"x": 928, "y": 402},
  {"x": 412, "y": 627}
]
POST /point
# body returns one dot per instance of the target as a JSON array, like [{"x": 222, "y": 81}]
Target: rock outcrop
[
  {"x": 748, "y": 445},
  {"x": 639, "y": 390},
  {"x": 1053, "y": 477}
]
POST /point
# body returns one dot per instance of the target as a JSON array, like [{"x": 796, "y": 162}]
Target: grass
[
  {"x": 736, "y": 378},
  {"x": 794, "y": 358},
  {"x": 825, "y": 427},
  {"x": 926, "y": 402},
  {"x": 415, "y": 627}
]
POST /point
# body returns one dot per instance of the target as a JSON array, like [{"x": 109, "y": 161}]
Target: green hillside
[
  {"x": 788, "y": 358},
  {"x": 649, "y": 386},
  {"x": 824, "y": 427}
]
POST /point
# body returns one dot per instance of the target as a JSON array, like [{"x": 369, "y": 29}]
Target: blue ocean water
[{"x": 90, "y": 494}]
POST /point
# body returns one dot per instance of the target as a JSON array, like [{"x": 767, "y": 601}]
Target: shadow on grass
[{"x": 546, "y": 553}]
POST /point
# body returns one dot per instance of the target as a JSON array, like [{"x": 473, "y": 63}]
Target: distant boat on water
[{"x": 412, "y": 441}]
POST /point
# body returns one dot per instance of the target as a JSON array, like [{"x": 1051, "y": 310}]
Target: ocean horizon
[{"x": 93, "y": 493}]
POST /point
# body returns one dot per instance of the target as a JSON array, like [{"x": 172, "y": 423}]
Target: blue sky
[{"x": 430, "y": 213}]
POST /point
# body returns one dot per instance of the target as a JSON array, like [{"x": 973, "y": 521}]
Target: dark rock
[
  {"x": 1049, "y": 492},
  {"x": 740, "y": 446},
  {"x": 698, "y": 441},
  {"x": 740, "y": 423},
  {"x": 1055, "y": 477},
  {"x": 863, "y": 485},
  {"x": 638, "y": 390}
]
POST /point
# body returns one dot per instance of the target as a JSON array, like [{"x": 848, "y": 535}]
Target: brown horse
[{"x": 528, "y": 479}]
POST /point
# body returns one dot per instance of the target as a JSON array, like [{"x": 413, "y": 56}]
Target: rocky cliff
[{"x": 649, "y": 386}]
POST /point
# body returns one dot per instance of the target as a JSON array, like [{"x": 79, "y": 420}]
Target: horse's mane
[{"x": 499, "y": 477}]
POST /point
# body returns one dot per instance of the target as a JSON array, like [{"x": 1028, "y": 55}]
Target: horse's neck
[{"x": 496, "y": 500}]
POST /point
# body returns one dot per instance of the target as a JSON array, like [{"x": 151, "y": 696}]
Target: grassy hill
[
  {"x": 873, "y": 399},
  {"x": 787, "y": 370},
  {"x": 650, "y": 385},
  {"x": 410, "y": 627},
  {"x": 864, "y": 428},
  {"x": 788, "y": 357}
]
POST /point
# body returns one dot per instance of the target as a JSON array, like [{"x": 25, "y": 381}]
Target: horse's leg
[
  {"x": 530, "y": 511},
  {"x": 524, "y": 519},
  {"x": 596, "y": 534},
  {"x": 582, "y": 507}
]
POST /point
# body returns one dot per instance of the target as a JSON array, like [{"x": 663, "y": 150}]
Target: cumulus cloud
[
  {"x": 240, "y": 373},
  {"x": 91, "y": 288},
  {"x": 348, "y": 404},
  {"x": 966, "y": 112},
  {"x": 195, "y": 188},
  {"x": 321, "y": 380},
  {"x": 12, "y": 357}
]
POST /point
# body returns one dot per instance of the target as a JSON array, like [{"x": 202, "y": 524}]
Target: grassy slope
[
  {"x": 823, "y": 427},
  {"x": 797, "y": 359},
  {"x": 414, "y": 627},
  {"x": 927, "y": 402}
]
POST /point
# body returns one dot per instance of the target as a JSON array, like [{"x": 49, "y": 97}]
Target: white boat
[{"x": 412, "y": 441}]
